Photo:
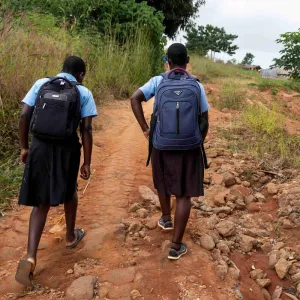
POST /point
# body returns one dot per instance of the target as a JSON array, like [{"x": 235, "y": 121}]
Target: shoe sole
[
  {"x": 165, "y": 229},
  {"x": 178, "y": 257}
]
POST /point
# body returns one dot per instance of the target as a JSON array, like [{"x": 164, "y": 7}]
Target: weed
[
  {"x": 274, "y": 91},
  {"x": 231, "y": 95}
]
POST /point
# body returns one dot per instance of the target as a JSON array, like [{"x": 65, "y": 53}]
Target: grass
[
  {"x": 208, "y": 70},
  {"x": 231, "y": 94},
  {"x": 275, "y": 85},
  {"x": 34, "y": 47},
  {"x": 10, "y": 178},
  {"x": 266, "y": 138}
]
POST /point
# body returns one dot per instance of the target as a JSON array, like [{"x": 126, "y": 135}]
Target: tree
[
  {"x": 207, "y": 38},
  {"x": 290, "y": 53},
  {"x": 177, "y": 13},
  {"x": 248, "y": 59}
]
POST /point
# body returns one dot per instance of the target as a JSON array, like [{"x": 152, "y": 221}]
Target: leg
[
  {"x": 70, "y": 215},
  {"x": 182, "y": 214},
  {"x": 165, "y": 203},
  {"x": 36, "y": 226}
]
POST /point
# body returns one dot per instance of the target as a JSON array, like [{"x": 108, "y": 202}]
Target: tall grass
[
  {"x": 208, "y": 70},
  {"x": 264, "y": 137},
  {"x": 34, "y": 47}
]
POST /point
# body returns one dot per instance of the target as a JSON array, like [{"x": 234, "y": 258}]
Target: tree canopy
[
  {"x": 177, "y": 13},
  {"x": 248, "y": 59},
  {"x": 207, "y": 38},
  {"x": 290, "y": 53}
]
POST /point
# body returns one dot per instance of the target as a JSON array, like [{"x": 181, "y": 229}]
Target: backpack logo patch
[{"x": 178, "y": 93}]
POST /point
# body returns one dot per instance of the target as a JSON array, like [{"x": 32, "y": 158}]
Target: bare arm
[
  {"x": 86, "y": 130},
  {"x": 137, "y": 108},
  {"x": 24, "y": 123},
  {"x": 205, "y": 117}
]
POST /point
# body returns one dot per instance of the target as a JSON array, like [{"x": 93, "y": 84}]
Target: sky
[{"x": 258, "y": 23}]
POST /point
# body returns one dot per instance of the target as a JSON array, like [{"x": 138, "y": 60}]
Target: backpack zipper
[{"x": 177, "y": 113}]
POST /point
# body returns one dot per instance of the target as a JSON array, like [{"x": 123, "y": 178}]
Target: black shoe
[
  {"x": 176, "y": 254},
  {"x": 168, "y": 225}
]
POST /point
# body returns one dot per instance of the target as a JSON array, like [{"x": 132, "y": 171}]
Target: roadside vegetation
[{"x": 261, "y": 126}]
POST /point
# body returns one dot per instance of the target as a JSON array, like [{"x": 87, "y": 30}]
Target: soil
[{"x": 119, "y": 157}]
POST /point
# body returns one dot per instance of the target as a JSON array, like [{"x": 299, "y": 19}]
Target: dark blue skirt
[{"x": 50, "y": 175}]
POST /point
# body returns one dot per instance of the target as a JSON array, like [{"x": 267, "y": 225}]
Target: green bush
[{"x": 274, "y": 91}]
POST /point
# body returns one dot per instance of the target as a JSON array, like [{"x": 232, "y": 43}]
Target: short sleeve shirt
[
  {"x": 88, "y": 106},
  {"x": 149, "y": 90}
]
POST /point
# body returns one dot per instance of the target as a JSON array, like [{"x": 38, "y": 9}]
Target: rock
[
  {"x": 272, "y": 189},
  {"x": 147, "y": 193},
  {"x": 257, "y": 274},
  {"x": 135, "y": 294},
  {"x": 277, "y": 293},
  {"x": 260, "y": 197},
  {"x": 246, "y": 243},
  {"x": 226, "y": 228},
  {"x": 266, "y": 247},
  {"x": 282, "y": 268},
  {"x": 273, "y": 258},
  {"x": 278, "y": 246},
  {"x": 78, "y": 271},
  {"x": 254, "y": 207},
  {"x": 240, "y": 204},
  {"x": 207, "y": 242},
  {"x": 296, "y": 278},
  {"x": 228, "y": 179},
  {"x": 104, "y": 289},
  {"x": 56, "y": 229},
  {"x": 120, "y": 292},
  {"x": 238, "y": 180},
  {"x": 142, "y": 213},
  {"x": 221, "y": 270},
  {"x": 82, "y": 288},
  {"x": 212, "y": 222},
  {"x": 287, "y": 224},
  {"x": 263, "y": 283},
  {"x": 134, "y": 207},
  {"x": 249, "y": 199},
  {"x": 135, "y": 226},
  {"x": 264, "y": 179},
  {"x": 142, "y": 234},
  {"x": 222, "y": 210},
  {"x": 119, "y": 276},
  {"x": 223, "y": 247},
  {"x": 266, "y": 294},
  {"x": 151, "y": 224},
  {"x": 246, "y": 183},
  {"x": 234, "y": 274},
  {"x": 166, "y": 244},
  {"x": 42, "y": 246},
  {"x": 290, "y": 296},
  {"x": 219, "y": 199},
  {"x": 70, "y": 271},
  {"x": 216, "y": 255},
  {"x": 217, "y": 179}
]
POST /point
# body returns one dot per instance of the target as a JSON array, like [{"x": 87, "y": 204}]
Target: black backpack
[{"x": 56, "y": 114}]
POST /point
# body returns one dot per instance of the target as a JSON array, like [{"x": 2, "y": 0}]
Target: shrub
[{"x": 231, "y": 95}]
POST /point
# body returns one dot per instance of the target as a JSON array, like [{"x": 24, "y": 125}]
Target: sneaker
[
  {"x": 176, "y": 254},
  {"x": 168, "y": 225}
]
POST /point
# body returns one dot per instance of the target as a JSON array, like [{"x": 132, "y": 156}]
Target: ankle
[
  {"x": 70, "y": 237},
  {"x": 176, "y": 245}
]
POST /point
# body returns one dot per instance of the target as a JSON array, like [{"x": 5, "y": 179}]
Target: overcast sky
[{"x": 258, "y": 23}]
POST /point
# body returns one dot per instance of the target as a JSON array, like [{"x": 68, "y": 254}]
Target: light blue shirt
[
  {"x": 149, "y": 90},
  {"x": 88, "y": 106}
]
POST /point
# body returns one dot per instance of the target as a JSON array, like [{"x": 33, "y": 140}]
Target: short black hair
[
  {"x": 74, "y": 65},
  {"x": 178, "y": 54}
]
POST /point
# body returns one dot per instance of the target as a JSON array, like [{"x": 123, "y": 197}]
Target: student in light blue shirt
[
  {"x": 52, "y": 165},
  {"x": 175, "y": 172}
]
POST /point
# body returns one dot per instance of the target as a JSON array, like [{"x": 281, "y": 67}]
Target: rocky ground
[{"x": 243, "y": 236}]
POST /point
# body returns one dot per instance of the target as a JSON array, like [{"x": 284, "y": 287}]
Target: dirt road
[{"x": 121, "y": 262}]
